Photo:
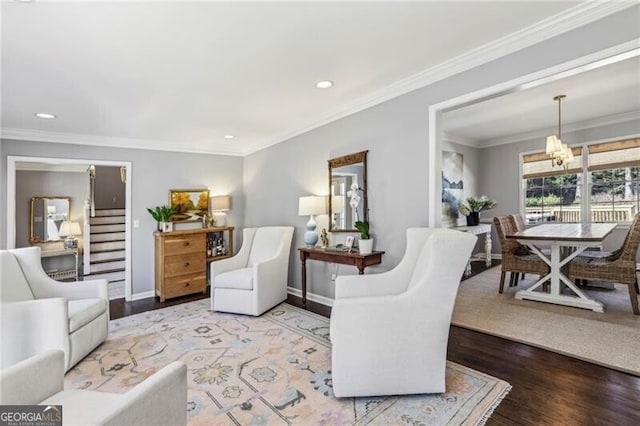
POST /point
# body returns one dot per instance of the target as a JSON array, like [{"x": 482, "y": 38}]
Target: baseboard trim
[
  {"x": 143, "y": 295},
  {"x": 327, "y": 301}
]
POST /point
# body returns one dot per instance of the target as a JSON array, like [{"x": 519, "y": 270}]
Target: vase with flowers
[{"x": 472, "y": 207}]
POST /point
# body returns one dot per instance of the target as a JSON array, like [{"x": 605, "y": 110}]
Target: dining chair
[
  {"x": 516, "y": 258},
  {"x": 617, "y": 267}
]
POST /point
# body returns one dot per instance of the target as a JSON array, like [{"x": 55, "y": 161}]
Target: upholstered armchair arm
[
  {"x": 74, "y": 290},
  {"x": 159, "y": 400},
  {"x": 32, "y": 380},
  {"x": 226, "y": 265},
  {"x": 32, "y": 326},
  {"x": 386, "y": 283},
  {"x": 269, "y": 273}
]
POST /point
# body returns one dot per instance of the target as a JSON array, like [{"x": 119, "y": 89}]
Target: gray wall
[
  {"x": 47, "y": 184},
  {"x": 154, "y": 173},
  {"x": 396, "y": 135},
  {"x": 109, "y": 189}
]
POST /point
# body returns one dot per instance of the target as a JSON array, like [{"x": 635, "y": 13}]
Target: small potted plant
[
  {"x": 162, "y": 215},
  {"x": 472, "y": 207},
  {"x": 365, "y": 245}
]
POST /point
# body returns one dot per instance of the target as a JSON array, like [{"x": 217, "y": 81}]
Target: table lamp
[
  {"x": 219, "y": 205},
  {"x": 311, "y": 205},
  {"x": 70, "y": 229}
]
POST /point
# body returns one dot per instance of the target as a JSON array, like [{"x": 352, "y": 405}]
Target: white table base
[
  {"x": 579, "y": 299},
  {"x": 478, "y": 230}
]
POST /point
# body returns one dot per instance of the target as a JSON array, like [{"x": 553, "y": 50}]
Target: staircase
[{"x": 107, "y": 249}]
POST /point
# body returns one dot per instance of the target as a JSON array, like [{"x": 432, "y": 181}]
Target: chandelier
[{"x": 559, "y": 152}]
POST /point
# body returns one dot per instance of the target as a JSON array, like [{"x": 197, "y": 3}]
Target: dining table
[{"x": 566, "y": 241}]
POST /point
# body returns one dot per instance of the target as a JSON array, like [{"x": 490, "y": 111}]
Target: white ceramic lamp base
[{"x": 311, "y": 236}]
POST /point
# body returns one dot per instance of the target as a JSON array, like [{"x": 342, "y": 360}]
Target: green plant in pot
[
  {"x": 472, "y": 207},
  {"x": 161, "y": 214},
  {"x": 366, "y": 242}
]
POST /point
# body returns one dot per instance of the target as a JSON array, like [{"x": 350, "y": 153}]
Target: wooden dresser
[{"x": 181, "y": 261}]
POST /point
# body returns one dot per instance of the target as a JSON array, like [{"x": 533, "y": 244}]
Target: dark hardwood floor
[{"x": 548, "y": 388}]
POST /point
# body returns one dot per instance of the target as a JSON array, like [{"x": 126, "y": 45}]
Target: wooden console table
[{"x": 358, "y": 260}]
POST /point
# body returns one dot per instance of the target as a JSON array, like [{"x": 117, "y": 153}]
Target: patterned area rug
[{"x": 275, "y": 369}]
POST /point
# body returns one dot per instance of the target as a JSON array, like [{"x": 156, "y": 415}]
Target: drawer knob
[
  {"x": 186, "y": 243},
  {"x": 186, "y": 264},
  {"x": 186, "y": 284}
]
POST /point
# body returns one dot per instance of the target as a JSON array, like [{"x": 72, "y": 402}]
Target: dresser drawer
[
  {"x": 187, "y": 284},
  {"x": 182, "y": 264},
  {"x": 180, "y": 244}
]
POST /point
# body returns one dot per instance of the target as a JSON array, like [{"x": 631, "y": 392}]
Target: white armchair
[
  {"x": 389, "y": 331},
  {"x": 255, "y": 279},
  {"x": 159, "y": 400},
  {"x": 39, "y": 313}
]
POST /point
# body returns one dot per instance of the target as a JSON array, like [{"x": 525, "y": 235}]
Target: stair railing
[{"x": 86, "y": 255}]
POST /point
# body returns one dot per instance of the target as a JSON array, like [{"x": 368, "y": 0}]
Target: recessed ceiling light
[
  {"x": 229, "y": 136},
  {"x": 324, "y": 84},
  {"x": 45, "y": 116}
]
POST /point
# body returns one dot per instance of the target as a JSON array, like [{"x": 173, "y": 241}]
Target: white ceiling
[
  {"x": 180, "y": 76},
  {"x": 607, "y": 94}
]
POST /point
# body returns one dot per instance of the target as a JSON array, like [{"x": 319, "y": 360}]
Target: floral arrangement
[
  {"x": 476, "y": 205},
  {"x": 354, "y": 197}
]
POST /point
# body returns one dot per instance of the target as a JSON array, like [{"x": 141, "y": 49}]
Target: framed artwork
[
  {"x": 348, "y": 242},
  {"x": 190, "y": 204},
  {"x": 452, "y": 187}
]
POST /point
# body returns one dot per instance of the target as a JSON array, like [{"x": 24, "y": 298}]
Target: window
[
  {"x": 551, "y": 193},
  {"x": 612, "y": 172}
]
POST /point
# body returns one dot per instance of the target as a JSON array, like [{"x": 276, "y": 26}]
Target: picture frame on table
[
  {"x": 348, "y": 242},
  {"x": 190, "y": 204}
]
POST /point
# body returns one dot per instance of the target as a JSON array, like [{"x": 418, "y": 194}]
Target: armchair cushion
[
  {"x": 239, "y": 279},
  {"x": 83, "y": 311}
]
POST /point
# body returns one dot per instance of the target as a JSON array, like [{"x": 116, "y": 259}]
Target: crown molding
[
  {"x": 459, "y": 140},
  {"x": 567, "y": 128},
  {"x": 575, "y": 17},
  {"x": 105, "y": 141}
]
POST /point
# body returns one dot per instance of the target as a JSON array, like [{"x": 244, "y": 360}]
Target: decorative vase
[
  {"x": 365, "y": 246},
  {"x": 473, "y": 219}
]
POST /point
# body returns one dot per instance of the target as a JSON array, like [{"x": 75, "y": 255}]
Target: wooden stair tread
[
  {"x": 106, "y": 271},
  {"x": 115, "y": 259},
  {"x": 106, "y": 251}
]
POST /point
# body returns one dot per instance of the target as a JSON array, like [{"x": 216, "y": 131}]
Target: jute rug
[
  {"x": 611, "y": 339},
  {"x": 275, "y": 369}
]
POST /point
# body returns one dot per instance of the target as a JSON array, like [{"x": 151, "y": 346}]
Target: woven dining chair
[
  {"x": 618, "y": 267},
  {"x": 514, "y": 259}
]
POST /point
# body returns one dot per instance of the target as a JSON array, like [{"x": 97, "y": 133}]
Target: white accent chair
[
  {"x": 159, "y": 400},
  {"x": 389, "y": 331},
  {"x": 255, "y": 279},
  {"x": 39, "y": 313}
]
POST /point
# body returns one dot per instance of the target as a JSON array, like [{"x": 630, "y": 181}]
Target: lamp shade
[
  {"x": 69, "y": 228},
  {"x": 312, "y": 205},
  {"x": 554, "y": 145},
  {"x": 220, "y": 203}
]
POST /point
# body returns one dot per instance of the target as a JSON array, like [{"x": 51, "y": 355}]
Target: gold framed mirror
[
  {"x": 348, "y": 192},
  {"x": 47, "y": 214}
]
